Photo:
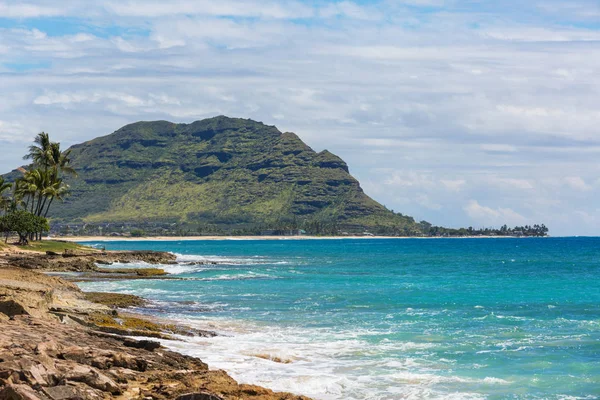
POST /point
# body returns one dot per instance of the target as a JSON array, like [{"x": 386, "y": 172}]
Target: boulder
[
  {"x": 93, "y": 378},
  {"x": 74, "y": 353},
  {"x": 19, "y": 392},
  {"x": 63, "y": 392},
  {"x": 12, "y": 308},
  {"x": 129, "y": 362},
  {"x": 142, "y": 344}
]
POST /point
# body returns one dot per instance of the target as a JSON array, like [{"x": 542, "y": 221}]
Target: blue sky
[{"x": 458, "y": 112}]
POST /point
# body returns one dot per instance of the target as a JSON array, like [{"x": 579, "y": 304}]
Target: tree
[
  {"x": 4, "y": 201},
  {"x": 37, "y": 189},
  {"x": 40, "y": 152},
  {"x": 24, "y": 224},
  {"x": 40, "y": 186}
]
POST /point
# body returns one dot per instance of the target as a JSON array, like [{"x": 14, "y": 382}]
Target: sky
[{"x": 459, "y": 112}]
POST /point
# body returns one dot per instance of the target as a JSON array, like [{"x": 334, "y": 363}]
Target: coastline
[
  {"x": 79, "y": 239},
  {"x": 59, "y": 341}
]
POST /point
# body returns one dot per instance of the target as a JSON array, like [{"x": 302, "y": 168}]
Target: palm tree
[
  {"x": 47, "y": 155},
  {"x": 4, "y": 201},
  {"x": 45, "y": 181},
  {"x": 58, "y": 190},
  {"x": 25, "y": 190},
  {"x": 40, "y": 151},
  {"x": 60, "y": 161}
]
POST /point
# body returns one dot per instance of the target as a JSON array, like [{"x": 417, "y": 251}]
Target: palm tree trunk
[
  {"x": 49, "y": 204},
  {"x": 41, "y": 208}
]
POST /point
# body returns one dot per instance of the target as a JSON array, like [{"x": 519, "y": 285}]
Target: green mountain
[{"x": 220, "y": 171}]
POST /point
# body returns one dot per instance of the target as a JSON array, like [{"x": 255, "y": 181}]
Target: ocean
[{"x": 387, "y": 318}]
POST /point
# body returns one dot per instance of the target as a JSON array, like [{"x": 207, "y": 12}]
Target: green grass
[{"x": 56, "y": 246}]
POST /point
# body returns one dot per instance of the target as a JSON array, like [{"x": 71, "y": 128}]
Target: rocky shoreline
[
  {"x": 60, "y": 343},
  {"x": 83, "y": 261}
]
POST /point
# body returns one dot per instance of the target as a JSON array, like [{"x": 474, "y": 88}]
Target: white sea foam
[
  {"x": 324, "y": 363},
  {"x": 236, "y": 277},
  {"x": 208, "y": 259},
  {"x": 179, "y": 269}
]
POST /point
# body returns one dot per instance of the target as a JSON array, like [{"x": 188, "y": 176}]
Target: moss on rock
[{"x": 115, "y": 300}]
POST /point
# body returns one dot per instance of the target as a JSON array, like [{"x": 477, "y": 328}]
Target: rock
[
  {"x": 19, "y": 392},
  {"x": 74, "y": 353},
  {"x": 199, "y": 396},
  {"x": 142, "y": 344},
  {"x": 11, "y": 308},
  {"x": 129, "y": 362},
  {"x": 122, "y": 375},
  {"x": 86, "y": 392},
  {"x": 37, "y": 374},
  {"x": 63, "y": 392},
  {"x": 115, "y": 300},
  {"x": 93, "y": 378},
  {"x": 102, "y": 362},
  {"x": 52, "y": 253},
  {"x": 49, "y": 347}
]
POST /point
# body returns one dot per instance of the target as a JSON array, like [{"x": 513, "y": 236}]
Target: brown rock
[
  {"x": 122, "y": 375},
  {"x": 199, "y": 396},
  {"x": 49, "y": 348},
  {"x": 63, "y": 392},
  {"x": 19, "y": 392},
  {"x": 142, "y": 344},
  {"x": 93, "y": 378},
  {"x": 74, "y": 353},
  {"x": 11, "y": 308}
]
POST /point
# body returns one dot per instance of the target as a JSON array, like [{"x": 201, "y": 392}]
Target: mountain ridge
[{"x": 223, "y": 171}]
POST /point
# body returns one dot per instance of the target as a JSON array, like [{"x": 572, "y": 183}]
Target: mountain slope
[{"x": 225, "y": 171}]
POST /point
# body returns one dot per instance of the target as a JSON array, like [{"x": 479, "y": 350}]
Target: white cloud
[
  {"x": 577, "y": 183},
  {"x": 493, "y": 216},
  {"x": 13, "y": 9},
  {"x": 454, "y": 185},
  {"x": 499, "y": 148},
  {"x": 425, "y": 201},
  {"x": 410, "y": 179},
  {"x": 525, "y": 34},
  {"x": 11, "y": 132},
  {"x": 153, "y": 8},
  {"x": 521, "y": 184},
  {"x": 351, "y": 10}
]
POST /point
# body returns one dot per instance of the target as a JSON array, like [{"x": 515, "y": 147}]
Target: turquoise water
[{"x": 390, "y": 319}]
